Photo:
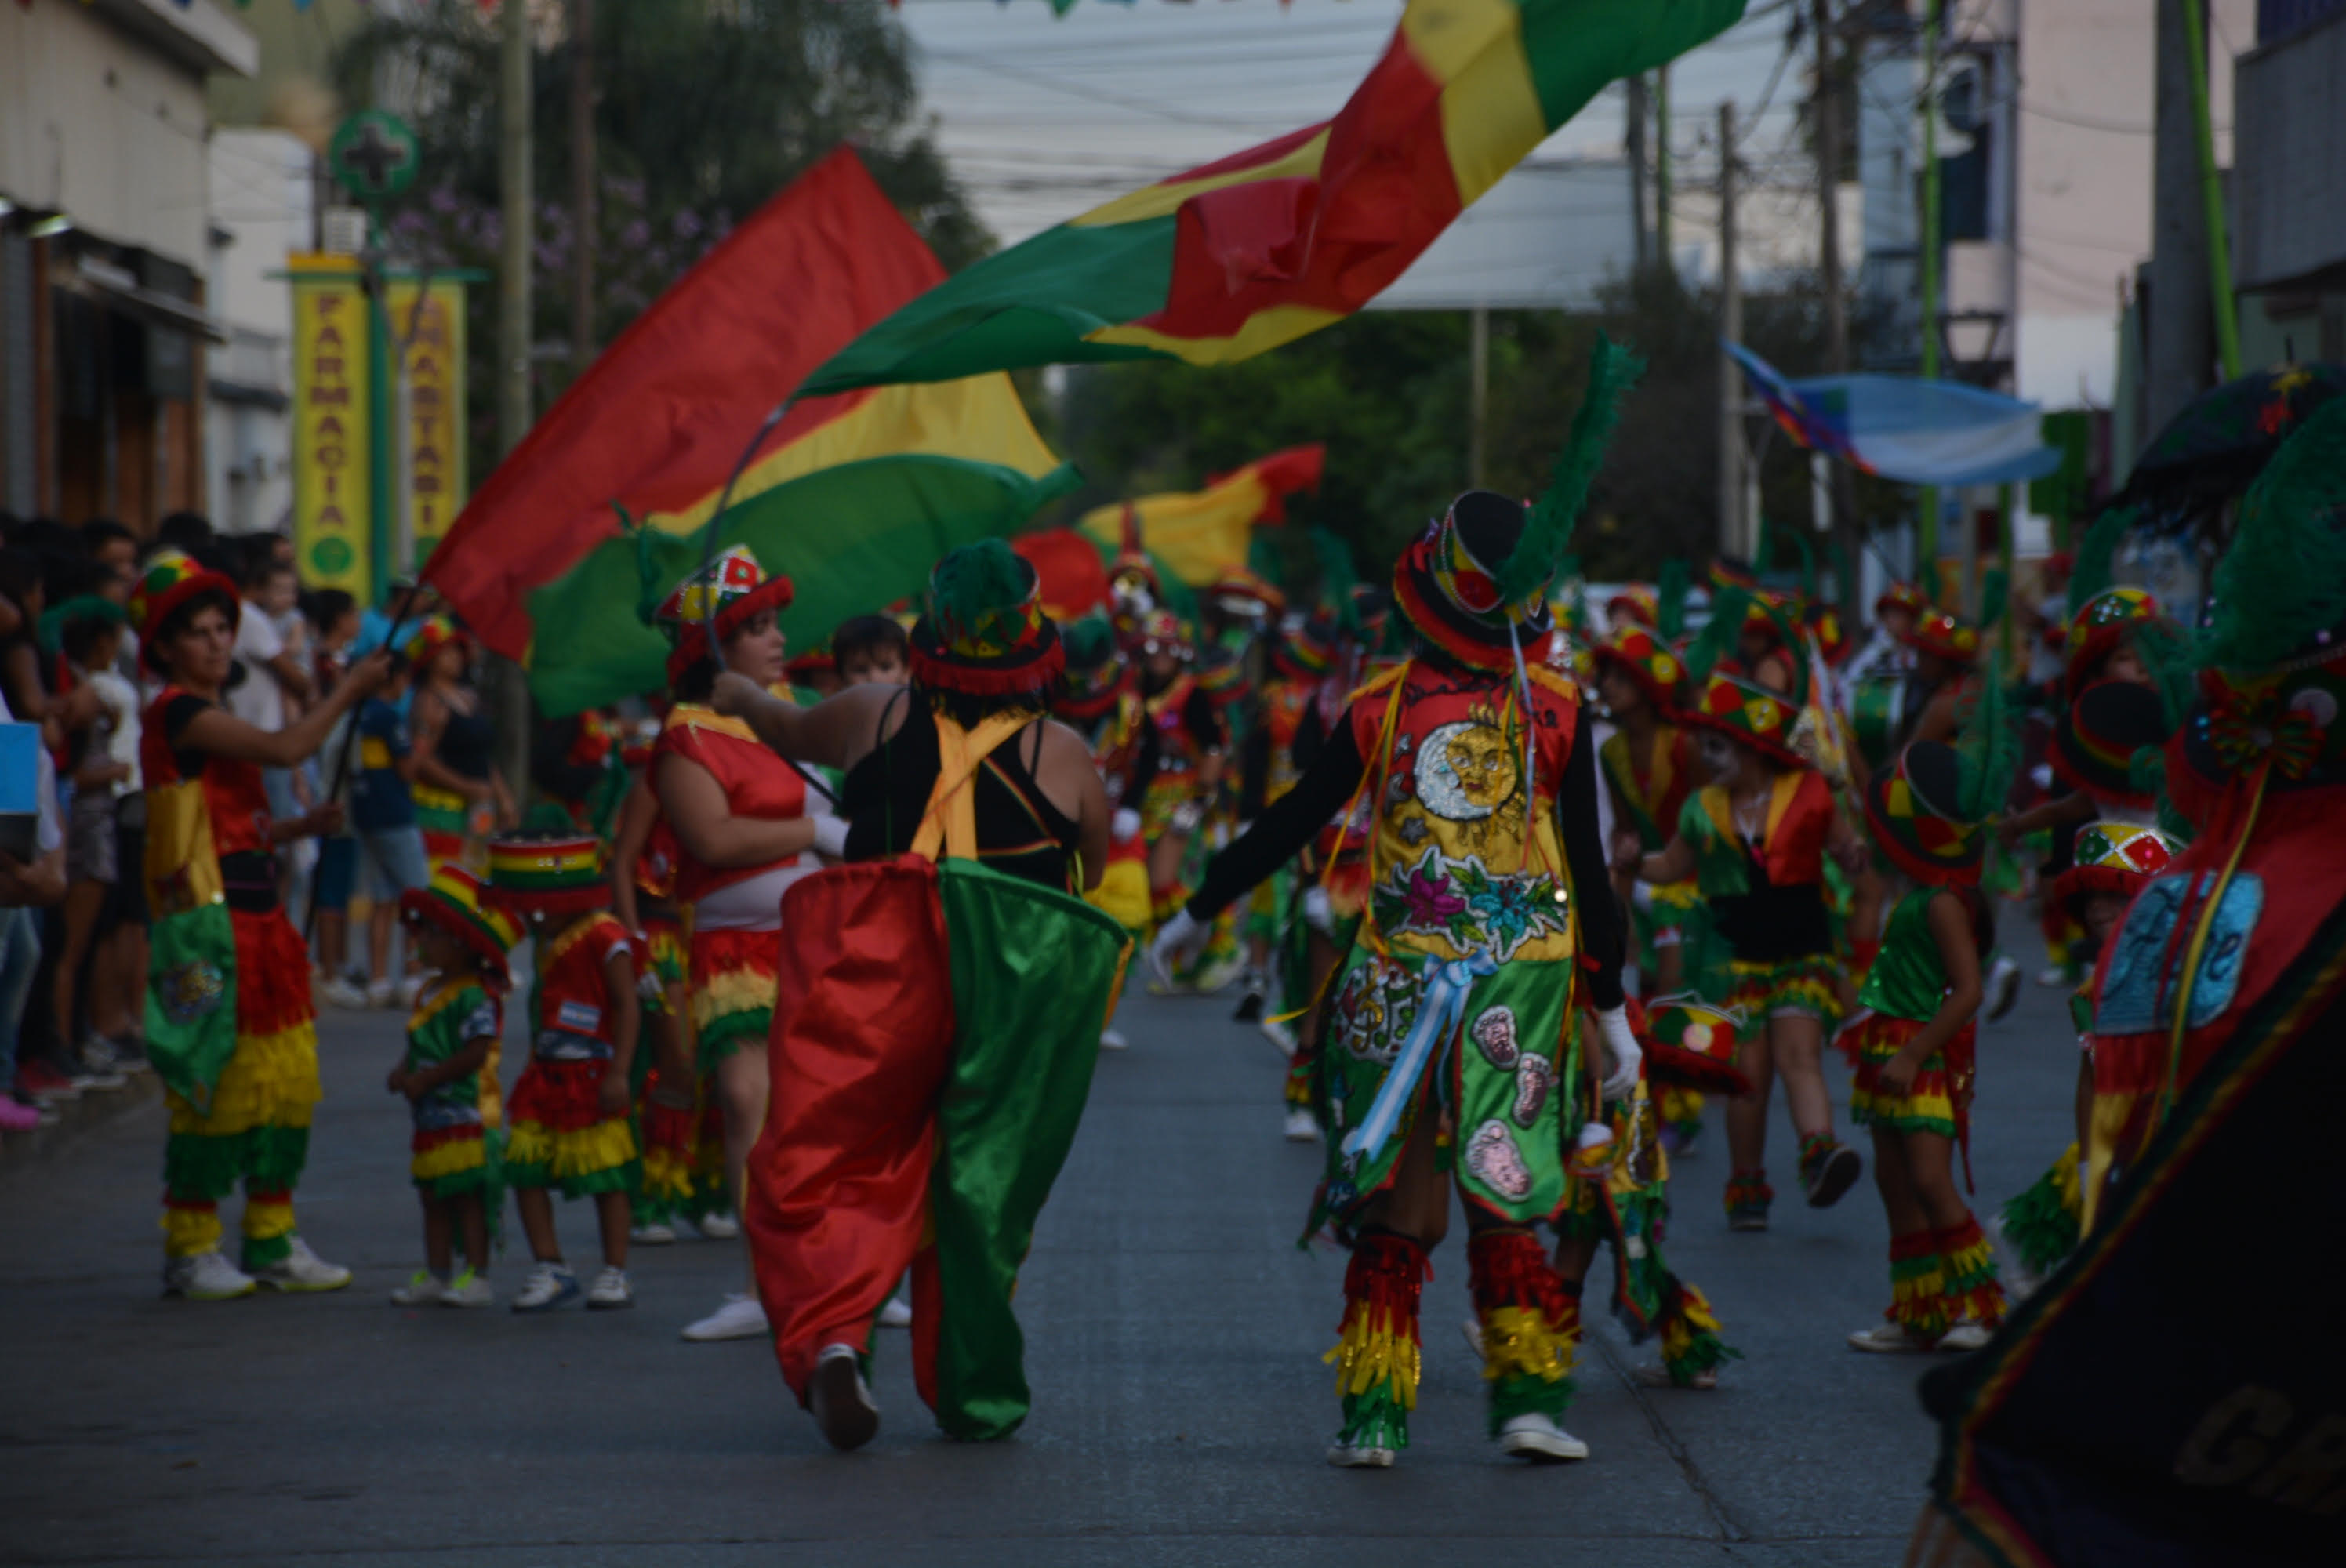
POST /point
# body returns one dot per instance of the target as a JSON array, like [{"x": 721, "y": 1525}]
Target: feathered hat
[
  {"x": 1634, "y": 605},
  {"x": 452, "y": 900},
  {"x": 1644, "y": 659},
  {"x": 2094, "y": 749},
  {"x": 1750, "y": 714},
  {"x": 1307, "y": 649},
  {"x": 1243, "y": 594},
  {"x": 985, "y": 633},
  {"x": 1474, "y": 585},
  {"x": 2098, "y": 627},
  {"x": 729, "y": 591},
  {"x": 1942, "y": 635},
  {"x": 170, "y": 583},
  {"x": 1930, "y": 811},
  {"x": 1095, "y": 670},
  {"x": 432, "y": 634},
  {"x": 2113, "y": 858},
  {"x": 1906, "y": 597}
]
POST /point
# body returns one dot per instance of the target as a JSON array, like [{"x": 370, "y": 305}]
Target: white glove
[
  {"x": 830, "y": 836},
  {"x": 1124, "y": 826},
  {"x": 1179, "y": 941},
  {"x": 1317, "y": 912},
  {"x": 1621, "y": 1044}
]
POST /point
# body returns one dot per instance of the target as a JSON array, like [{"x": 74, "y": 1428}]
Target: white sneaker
[
  {"x": 1281, "y": 1037},
  {"x": 653, "y": 1234},
  {"x": 1888, "y": 1340},
  {"x": 206, "y": 1277},
  {"x": 742, "y": 1316},
  {"x": 1472, "y": 1329},
  {"x": 1113, "y": 1040},
  {"x": 467, "y": 1290},
  {"x": 424, "y": 1289},
  {"x": 378, "y": 993},
  {"x": 1653, "y": 1375},
  {"x": 609, "y": 1293},
  {"x": 341, "y": 992},
  {"x": 549, "y": 1285},
  {"x": 842, "y": 1401},
  {"x": 2053, "y": 978},
  {"x": 1537, "y": 1438},
  {"x": 718, "y": 1226},
  {"x": 897, "y": 1314},
  {"x": 301, "y": 1270},
  {"x": 1346, "y": 1456},
  {"x": 1965, "y": 1337},
  {"x": 2002, "y": 986},
  {"x": 1301, "y": 1127}
]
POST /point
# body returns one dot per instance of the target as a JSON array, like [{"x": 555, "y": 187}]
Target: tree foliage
[
  {"x": 704, "y": 109},
  {"x": 1389, "y": 392}
]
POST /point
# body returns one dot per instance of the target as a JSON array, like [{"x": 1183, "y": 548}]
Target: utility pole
[
  {"x": 1731, "y": 331},
  {"x": 1633, "y": 146},
  {"x": 582, "y": 185},
  {"x": 2182, "y": 320},
  {"x": 509, "y": 690},
  {"x": 1662, "y": 168},
  {"x": 1926, "y": 526},
  {"x": 1829, "y": 162},
  {"x": 1478, "y": 392}
]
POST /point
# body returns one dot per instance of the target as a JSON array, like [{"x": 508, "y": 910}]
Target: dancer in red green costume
[
  {"x": 228, "y": 1017},
  {"x": 1756, "y": 840},
  {"x": 1450, "y": 1058},
  {"x": 452, "y": 1040},
  {"x": 1914, "y": 1045},
  {"x": 742, "y": 829},
  {"x": 669, "y": 1114},
  {"x": 1100, "y": 701},
  {"x": 916, "y": 1123}
]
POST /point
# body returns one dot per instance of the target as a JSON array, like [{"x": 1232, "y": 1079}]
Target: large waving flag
[
  {"x": 1255, "y": 251},
  {"x": 1203, "y": 534},
  {"x": 853, "y": 495},
  {"x": 1906, "y": 428}
]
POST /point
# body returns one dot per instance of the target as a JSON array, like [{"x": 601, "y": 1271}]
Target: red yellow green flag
[
  {"x": 1204, "y": 533},
  {"x": 1259, "y": 248}
]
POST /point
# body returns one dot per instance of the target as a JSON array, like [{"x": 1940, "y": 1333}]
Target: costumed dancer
[
  {"x": 228, "y": 1016},
  {"x": 1875, "y": 686},
  {"x": 1180, "y": 764},
  {"x": 1450, "y": 1023},
  {"x": 1625, "y": 1200},
  {"x": 452, "y": 1037},
  {"x": 459, "y": 795},
  {"x": 1756, "y": 840},
  {"x": 1268, "y": 768},
  {"x": 1651, "y": 766},
  {"x": 1914, "y": 1046},
  {"x": 668, "y": 1088},
  {"x": 1099, "y": 701},
  {"x": 742, "y": 829},
  {"x": 576, "y": 762},
  {"x": 2114, "y": 861},
  {"x": 569, "y": 1112},
  {"x": 913, "y": 1122}
]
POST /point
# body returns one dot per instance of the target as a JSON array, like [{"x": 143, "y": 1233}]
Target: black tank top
[
  {"x": 1018, "y": 829},
  {"x": 467, "y": 742}
]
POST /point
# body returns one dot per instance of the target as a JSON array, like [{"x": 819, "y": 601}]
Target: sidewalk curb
[{"x": 75, "y": 1118}]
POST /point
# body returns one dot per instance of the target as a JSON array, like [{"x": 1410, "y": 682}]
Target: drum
[{"x": 1877, "y": 717}]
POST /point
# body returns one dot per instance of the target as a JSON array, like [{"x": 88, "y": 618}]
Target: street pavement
[{"x": 1174, "y": 1333}]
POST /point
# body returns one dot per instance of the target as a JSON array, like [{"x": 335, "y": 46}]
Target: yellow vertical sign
[
  {"x": 435, "y": 336},
  {"x": 333, "y": 483}
]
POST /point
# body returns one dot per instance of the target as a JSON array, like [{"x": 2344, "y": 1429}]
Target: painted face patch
[
  {"x": 1494, "y": 1035},
  {"x": 1493, "y": 1159}
]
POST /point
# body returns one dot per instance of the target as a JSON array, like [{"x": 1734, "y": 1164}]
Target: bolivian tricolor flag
[
  {"x": 1262, "y": 247},
  {"x": 1204, "y": 533},
  {"x": 854, "y": 496}
]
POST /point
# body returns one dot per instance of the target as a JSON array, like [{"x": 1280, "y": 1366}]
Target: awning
[
  {"x": 1905, "y": 428},
  {"x": 119, "y": 290}
]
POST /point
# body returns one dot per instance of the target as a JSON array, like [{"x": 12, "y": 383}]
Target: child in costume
[
  {"x": 228, "y": 1015},
  {"x": 1914, "y": 1046},
  {"x": 569, "y": 1110},
  {"x": 643, "y": 880},
  {"x": 1449, "y": 1059},
  {"x": 1756, "y": 840},
  {"x": 452, "y": 1037},
  {"x": 742, "y": 827},
  {"x": 2114, "y": 862}
]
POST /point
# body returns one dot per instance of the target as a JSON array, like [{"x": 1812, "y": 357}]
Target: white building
[
  {"x": 104, "y": 318},
  {"x": 261, "y": 193}
]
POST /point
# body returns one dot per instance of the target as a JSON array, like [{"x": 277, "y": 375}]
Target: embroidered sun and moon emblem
[{"x": 1465, "y": 771}]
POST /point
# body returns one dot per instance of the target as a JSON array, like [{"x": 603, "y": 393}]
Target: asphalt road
[{"x": 1174, "y": 1332}]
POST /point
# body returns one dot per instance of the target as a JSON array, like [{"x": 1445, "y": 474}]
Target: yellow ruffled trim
[
  {"x": 1518, "y": 1342},
  {"x": 267, "y": 1221},
  {"x": 666, "y": 1174},
  {"x": 1371, "y": 1353},
  {"x": 1122, "y": 893},
  {"x": 431, "y": 798},
  {"x": 1675, "y": 898},
  {"x": 589, "y": 1151},
  {"x": 272, "y": 1081},
  {"x": 723, "y": 995},
  {"x": 457, "y": 1155},
  {"x": 190, "y": 1232},
  {"x": 1693, "y": 1317},
  {"x": 2065, "y": 1178}
]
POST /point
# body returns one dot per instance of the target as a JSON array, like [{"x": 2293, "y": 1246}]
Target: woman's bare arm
[
  {"x": 217, "y": 732},
  {"x": 638, "y": 812},
  {"x": 837, "y": 732}
]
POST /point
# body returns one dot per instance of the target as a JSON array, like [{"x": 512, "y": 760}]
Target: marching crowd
[{"x": 1516, "y": 883}]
